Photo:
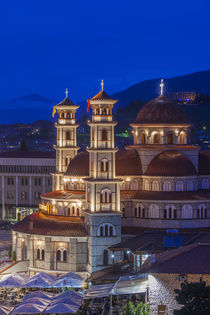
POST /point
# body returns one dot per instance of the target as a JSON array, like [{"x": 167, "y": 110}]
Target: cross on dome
[
  {"x": 102, "y": 85},
  {"x": 67, "y": 93},
  {"x": 161, "y": 87}
]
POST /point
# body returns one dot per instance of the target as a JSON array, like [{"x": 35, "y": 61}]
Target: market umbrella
[
  {"x": 29, "y": 308},
  {"x": 61, "y": 308},
  {"x": 39, "y": 294},
  {"x": 68, "y": 297},
  {"x": 5, "y": 309},
  {"x": 37, "y": 301},
  {"x": 40, "y": 280},
  {"x": 69, "y": 280},
  {"x": 13, "y": 280}
]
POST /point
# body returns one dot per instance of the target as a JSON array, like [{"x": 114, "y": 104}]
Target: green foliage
[
  {"x": 140, "y": 309},
  {"x": 14, "y": 255},
  {"x": 10, "y": 252},
  {"x": 194, "y": 298}
]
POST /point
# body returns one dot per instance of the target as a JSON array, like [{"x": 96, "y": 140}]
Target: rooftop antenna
[
  {"x": 102, "y": 85},
  {"x": 67, "y": 93},
  {"x": 161, "y": 87}
]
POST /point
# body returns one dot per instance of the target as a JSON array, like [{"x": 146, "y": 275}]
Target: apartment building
[{"x": 24, "y": 176}]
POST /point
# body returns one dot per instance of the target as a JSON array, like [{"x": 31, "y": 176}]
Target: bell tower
[
  {"x": 103, "y": 216},
  {"x": 66, "y": 147}
]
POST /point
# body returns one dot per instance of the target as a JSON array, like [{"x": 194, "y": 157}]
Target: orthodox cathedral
[{"x": 104, "y": 195}]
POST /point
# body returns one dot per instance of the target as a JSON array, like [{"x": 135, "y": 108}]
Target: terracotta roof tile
[
  {"x": 43, "y": 224},
  {"x": 64, "y": 194},
  {"x": 66, "y": 101},
  {"x": 102, "y": 95}
]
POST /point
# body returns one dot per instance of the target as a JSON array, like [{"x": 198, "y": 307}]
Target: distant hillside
[
  {"x": 149, "y": 89},
  {"x": 29, "y": 108}
]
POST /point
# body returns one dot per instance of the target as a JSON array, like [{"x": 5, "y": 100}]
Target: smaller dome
[
  {"x": 128, "y": 163},
  {"x": 161, "y": 110},
  {"x": 79, "y": 165},
  {"x": 204, "y": 162},
  {"x": 171, "y": 163}
]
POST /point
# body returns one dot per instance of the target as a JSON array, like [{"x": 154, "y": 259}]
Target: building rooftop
[
  {"x": 44, "y": 224},
  {"x": 191, "y": 259},
  {"x": 64, "y": 194},
  {"x": 28, "y": 155}
]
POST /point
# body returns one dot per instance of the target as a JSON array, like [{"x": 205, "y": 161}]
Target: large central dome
[{"x": 161, "y": 110}]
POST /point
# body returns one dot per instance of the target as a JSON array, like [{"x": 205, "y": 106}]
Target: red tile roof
[
  {"x": 65, "y": 102},
  {"x": 171, "y": 163},
  {"x": 159, "y": 195},
  {"x": 44, "y": 224},
  {"x": 64, "y": 194},
  {"x": 102, "y": 95},
  {"x": 191, "y": 259},
  {"x": 161, "y": 110}
]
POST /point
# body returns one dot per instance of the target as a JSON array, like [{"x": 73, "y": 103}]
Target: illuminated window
[
  {"x": 104, "y": 135},
  {"x": 170, "y": 138}
]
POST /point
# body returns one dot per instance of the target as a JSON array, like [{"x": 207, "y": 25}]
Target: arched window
[
  {"x": 154, "y": 211},
  {"x": 104, "y": 165},
  {"x": 78, "y": 212},
  {"x": 38, "y": 253},
  {"x": 186, "y": 212},
  {"x": 65, "y": 255},
  {"x": 155, "y": 186},
  {"x": 170, "y": 212},
  {"x": 58, "y": 255},
  {"x": 167, "y": 186},
  {"x": 106, "y": 230},
  {"x": 106, "y": 196},
  {"x": 143, "y": 138},
  {"x": 104, "y": 135},
  {"x": 182, "y": 137},
  {"x": 202, "y": 212},
  {"x": 43, "y": 254},
  {"x": 135, "y": 212},
  {"x": 205, "y": 184},
  {"x": 179, "y": 186},
  {"x": 156, "y": 138},
  {"x": 170, "y": 138},
  {"x": 190, "y": 186},
  {"x": 101, "y": 231},
  {"x": 68, "y": 135},
  {"x": 73, "y": 211},
  {"x": 146, "y": 185}
]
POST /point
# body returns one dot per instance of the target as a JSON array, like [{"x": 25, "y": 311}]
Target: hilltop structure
[{"x": 104, "y": 194}]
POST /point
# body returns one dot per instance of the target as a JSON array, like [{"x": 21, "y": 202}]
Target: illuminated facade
[{"x": 102, "y": 193}]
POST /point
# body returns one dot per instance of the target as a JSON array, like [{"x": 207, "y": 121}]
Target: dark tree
[
  {"x": 194, "y": 298},
  {"x": 23, "y": 146}
]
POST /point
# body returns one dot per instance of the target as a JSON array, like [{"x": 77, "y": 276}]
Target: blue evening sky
[{"x": 48, "y": 45}]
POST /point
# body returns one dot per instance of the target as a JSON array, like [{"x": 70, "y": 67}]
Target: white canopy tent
[
  {"x": 40, "y": 280},
  {"x": 37, "y": 301},
  {"x": 125, "y": 285},
  {"x": 68, "y": 297}
]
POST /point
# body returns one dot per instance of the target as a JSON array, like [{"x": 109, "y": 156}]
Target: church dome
[
  {"x": 171, "y": 163},
  {"x": 161, "y": 110},
  {"x": 128, "y": 163},
  {"x": 79, "y": 165},
  {"x": 204, "y": 162}
]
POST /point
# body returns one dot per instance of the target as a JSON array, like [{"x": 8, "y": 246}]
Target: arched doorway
[
  {"x": 143, "y": 138},
  {"x": 169, "y": 138}
]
